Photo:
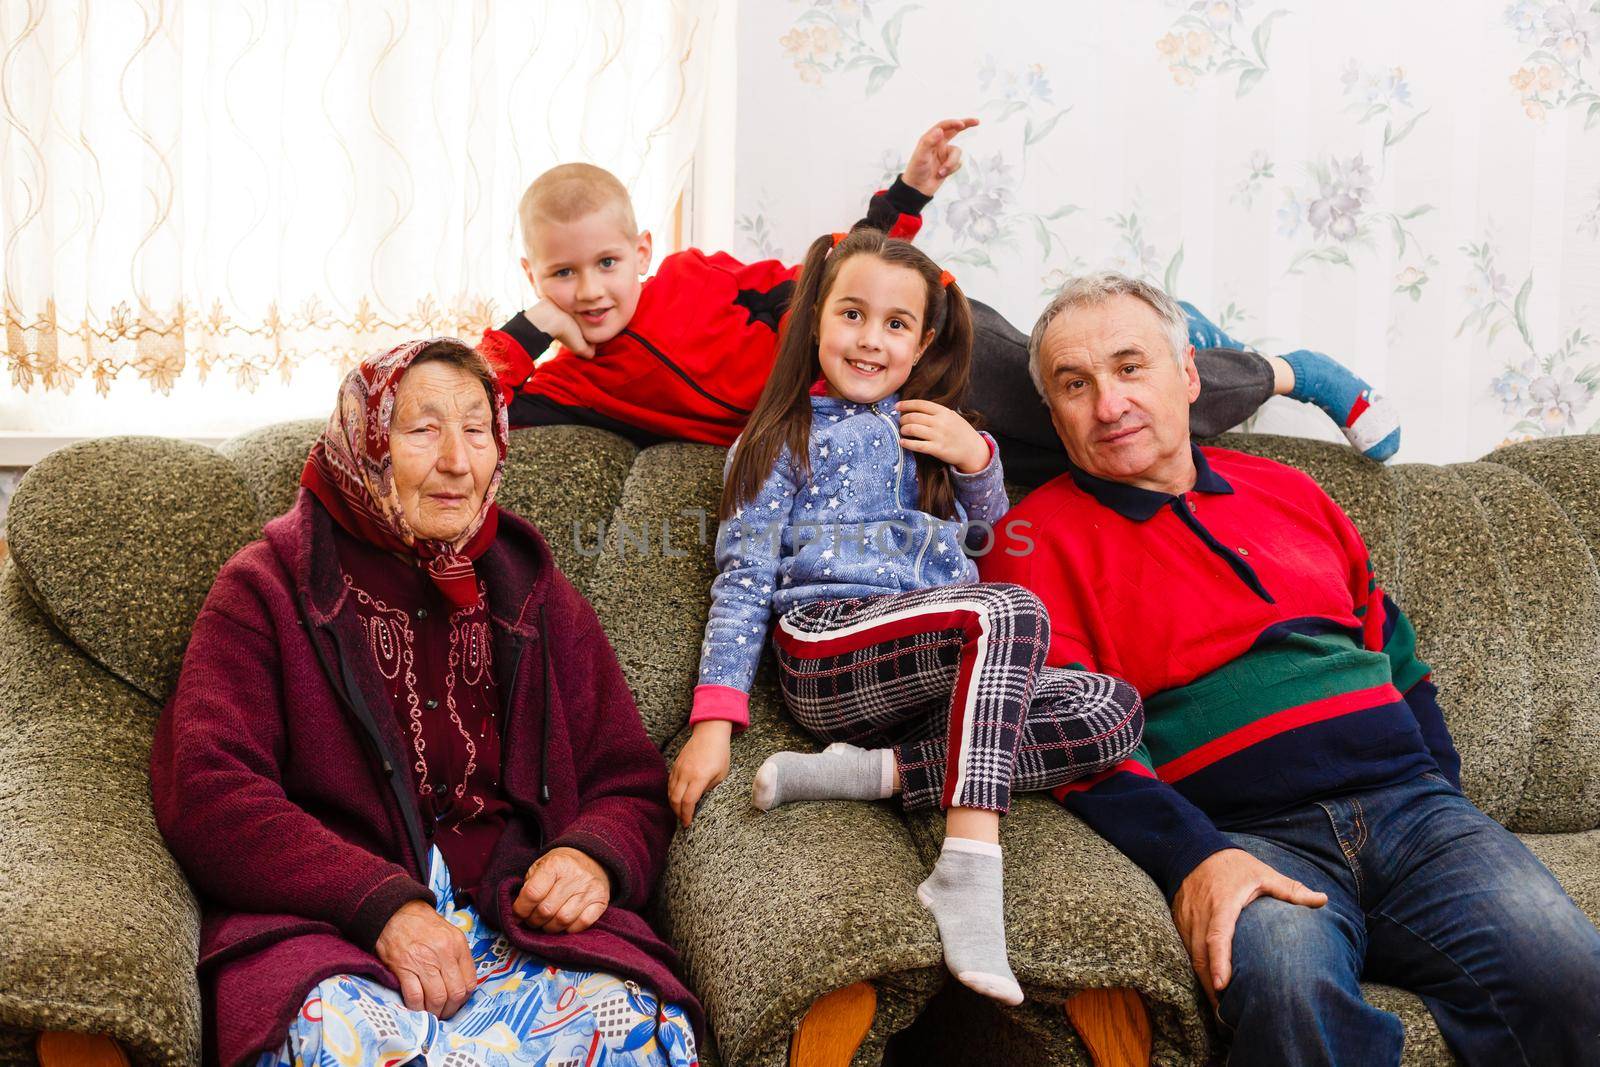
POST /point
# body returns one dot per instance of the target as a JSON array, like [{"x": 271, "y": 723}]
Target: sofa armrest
[
  {"x": 101, "y": 931},
  {"x": 771, "y": 910},
  {"x": 1081, "y": 915}
]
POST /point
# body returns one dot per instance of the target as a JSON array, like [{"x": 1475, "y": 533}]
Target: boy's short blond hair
[{"x": 571, "y": 191}]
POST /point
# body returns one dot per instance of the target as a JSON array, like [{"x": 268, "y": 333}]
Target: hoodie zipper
[
  {"x": 927, "y": 539},
  {"x": 899, "y": 470},
  {"x": 743, "y": 413},
  {"x": 899, "y": 453}
]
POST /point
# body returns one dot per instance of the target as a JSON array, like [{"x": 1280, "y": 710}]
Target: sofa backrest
[
  {"x": 1565, "y": 770},
  {"x": 1492, "y": 570},
  {"x": 118, "y": 540},
  {"x": 565, "y": 479},
  {"x": 652, "y": 583}
]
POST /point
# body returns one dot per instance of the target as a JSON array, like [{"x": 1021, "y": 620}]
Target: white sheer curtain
[{"x": 210, "y": 211}]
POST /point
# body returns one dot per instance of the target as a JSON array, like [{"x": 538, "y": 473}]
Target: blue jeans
[{"x": 1427, "y": 893}]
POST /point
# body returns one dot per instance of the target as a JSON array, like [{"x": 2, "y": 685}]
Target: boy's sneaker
[{"x": 1370, "y": 423}]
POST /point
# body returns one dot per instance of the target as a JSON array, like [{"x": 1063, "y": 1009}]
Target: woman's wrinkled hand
[
  {"x": 564, "y": 892},
  {"x": 429, "y": 957},
  {"x": 700, "y": 766}
]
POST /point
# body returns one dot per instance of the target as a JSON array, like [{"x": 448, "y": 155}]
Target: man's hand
[
  {"x": 563, "y": 327},
  {"x": 943, "y": 434},
  {"x": 429, "y": 957},
  {"x": 934, "y": 158},
  {"x": 701, "y": 766},
  {"x": 565, "y": 892},
  {"x": 1207, "y": 906}
]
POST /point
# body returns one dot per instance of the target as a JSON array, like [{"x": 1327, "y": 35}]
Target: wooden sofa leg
[
  {"x": 63, "y": 1048},
  {"x": 1114, "y": 1026},
  {"x": 834, "y": 1027}
]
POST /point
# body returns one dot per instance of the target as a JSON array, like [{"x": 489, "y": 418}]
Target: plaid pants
[{"x": 953, "y": 679}]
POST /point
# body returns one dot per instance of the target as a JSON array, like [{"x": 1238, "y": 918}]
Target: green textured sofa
[{"x": 115, "y": 542}]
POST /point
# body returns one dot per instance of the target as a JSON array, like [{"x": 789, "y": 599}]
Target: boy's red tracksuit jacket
[{"x": 693, "y": 360}]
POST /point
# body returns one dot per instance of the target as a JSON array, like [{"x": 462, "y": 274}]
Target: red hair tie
[
  {"x": 945, "y": 278},
  {"x": 837, "y": 238}
]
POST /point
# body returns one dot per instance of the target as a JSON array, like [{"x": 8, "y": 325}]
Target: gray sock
[
  {"x": 967, "y": 898},
  {"x": 838, "y": 772}
]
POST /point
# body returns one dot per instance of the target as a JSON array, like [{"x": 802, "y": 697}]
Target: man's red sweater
[
  {"x": 693, "y": 360},
  {"x": 1274, "y": 670}
]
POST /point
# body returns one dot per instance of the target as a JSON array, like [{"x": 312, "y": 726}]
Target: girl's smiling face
[{"x": 870, "y": 331}]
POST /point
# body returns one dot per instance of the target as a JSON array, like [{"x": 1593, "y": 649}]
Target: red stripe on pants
[{"x": 969, "y": 622}]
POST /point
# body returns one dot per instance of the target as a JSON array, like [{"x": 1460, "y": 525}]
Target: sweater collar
[
  {"x": 823, "y": 404},
  {"x": 1138, "y": 504}
]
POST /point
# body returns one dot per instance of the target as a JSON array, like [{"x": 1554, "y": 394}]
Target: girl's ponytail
[{"x": 783, "y": 414}]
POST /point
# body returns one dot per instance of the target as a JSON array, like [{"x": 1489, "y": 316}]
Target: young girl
[{"x": 844, "y": 512}]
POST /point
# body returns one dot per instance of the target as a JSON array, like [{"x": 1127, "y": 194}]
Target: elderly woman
[{"x": 404, "y": 772}]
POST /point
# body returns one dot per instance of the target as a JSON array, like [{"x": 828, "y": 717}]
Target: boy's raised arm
[{"x": 897, "y": 210}]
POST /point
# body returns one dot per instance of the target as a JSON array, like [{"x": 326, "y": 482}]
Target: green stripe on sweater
[
  {"x": 1297, "y": 670},
  {"x": 1402, "y": 652}
]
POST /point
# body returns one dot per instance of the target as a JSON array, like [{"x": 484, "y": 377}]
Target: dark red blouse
[{"x": 438, "y": 667}]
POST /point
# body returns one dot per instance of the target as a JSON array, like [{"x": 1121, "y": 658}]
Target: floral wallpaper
[{"x": 1413, "y": 188}]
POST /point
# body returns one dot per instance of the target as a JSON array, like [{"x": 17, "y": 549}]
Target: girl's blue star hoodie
[{"x": 851, "y": 528}]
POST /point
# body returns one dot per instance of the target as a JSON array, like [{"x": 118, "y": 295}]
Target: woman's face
[{"x": 442, "y": 443}]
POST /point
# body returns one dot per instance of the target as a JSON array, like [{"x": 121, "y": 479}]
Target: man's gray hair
[{"x": 1088, "y": 290}]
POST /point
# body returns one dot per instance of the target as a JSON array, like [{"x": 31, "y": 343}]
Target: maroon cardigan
[{"x": 280, "y": 781}]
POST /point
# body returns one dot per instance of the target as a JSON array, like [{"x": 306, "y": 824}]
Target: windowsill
[{"x": 24, "y": 448}]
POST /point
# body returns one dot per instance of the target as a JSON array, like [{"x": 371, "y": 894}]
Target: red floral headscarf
[{"x": 351, "y": 472}]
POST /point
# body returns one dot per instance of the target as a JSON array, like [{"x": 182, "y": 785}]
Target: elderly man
[{"x": 1296, "y": 796}]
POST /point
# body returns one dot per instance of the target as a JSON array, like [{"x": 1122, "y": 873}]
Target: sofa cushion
[
  {"x": 1424, "y": 1045},
  {"x": 1457, "y": 595},
  {"x": 270, "y": 461},
  {"x": 771, "y": 910},
  {"x": 653, "y": 579},
  {"x": 119, "y": 540},
  {"x": 564, "y": 479},
  {"x": 1553, "y": 598},
  {"x": 567, "y": 481},
  {"x": 1568, "y": 471}
]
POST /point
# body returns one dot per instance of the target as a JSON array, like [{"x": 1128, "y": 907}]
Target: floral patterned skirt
[{"x": 524, "y": 1012}]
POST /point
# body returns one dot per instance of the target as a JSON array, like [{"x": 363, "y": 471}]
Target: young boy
[
  {"x": 681, "y": 356},
  {"x": 685, "y": 354}
]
